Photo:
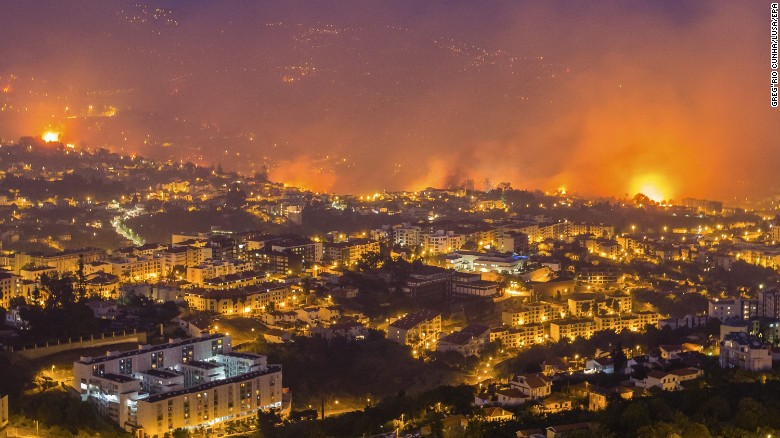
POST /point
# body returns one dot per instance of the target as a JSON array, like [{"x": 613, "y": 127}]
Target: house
[
  {"x": 555, "y": 366},
  {"x": 103, "y": 309},
  {"x": 531, "y": 433},
  {"x": 670, "y": 381},
  {"x": 101, "y": 284},
  {"x": 274, "y": 317},
  {"x": 309, "y": 315},
  {"x": 553, "y": 404},
  {"x": 669, "y": 352},
  {"x": 13, "y": 318},
  {"x": 685, "y": 374},
  {"x": 468, "y": 342},
  {"x": 482, "y": 399},
  {"x": 497, "y": 414},
  {"x": 598, "y": 397},
  {"x": 563, "y": 430},
  {"x": 454, "y": 422},
  {"x": 660, "y": 379},
  {"x": 638, "y": 361},
  {"x": 535, "y": 386},
  {"x": 600, "y": 365},
  {"x": 511, "y": 396},
  {"x": 351, "y": 330},
  {"x": 276, "y": 336}
]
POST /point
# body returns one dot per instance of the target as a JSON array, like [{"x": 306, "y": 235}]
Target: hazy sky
[{"x": 603, "y": 98}]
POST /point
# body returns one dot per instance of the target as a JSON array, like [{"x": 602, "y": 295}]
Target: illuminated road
[{"x": 125, "y": 231}]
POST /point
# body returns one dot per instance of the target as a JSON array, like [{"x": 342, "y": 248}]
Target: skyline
[{"x": 667, "y": 99}]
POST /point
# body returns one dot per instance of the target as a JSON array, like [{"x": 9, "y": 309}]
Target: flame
[
  {"x": 51, "y": 137},
  {"x": 654, "y": 186}
]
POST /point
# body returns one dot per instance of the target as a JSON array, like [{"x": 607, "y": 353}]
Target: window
[
  {"x": 126, "y": 366},
  {"x": 187, "y": 353},
  {"x": 98, "y": 370},
  {"x": 158, "y": 360},
  {"x": 216, "y": 347}
]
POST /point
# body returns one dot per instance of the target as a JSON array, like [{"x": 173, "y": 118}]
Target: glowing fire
[
  {"x": 51, "y": 137},
  {"x": 653, "y": 186}
]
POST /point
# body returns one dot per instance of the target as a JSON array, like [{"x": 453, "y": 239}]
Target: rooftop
[
  {"x": 119, "y": 378},
  {"x": 163, "y": 374},
  {"x": 412, "y": 319},
  {"x": 202, "y": 364},
  {"x": 206, "y": 386},
  {"x": 242, "y": 355},
  {"x": 94, "y": 360}
]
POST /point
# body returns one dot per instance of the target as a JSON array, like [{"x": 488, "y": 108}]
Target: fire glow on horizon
[{"x": 51, "y": 137}]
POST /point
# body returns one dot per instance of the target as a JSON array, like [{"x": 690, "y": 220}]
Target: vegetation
[
  {"x": 395, "y": 411},
  {"x": 352, "y": 372},
  {"x": 62, "y": 412}
]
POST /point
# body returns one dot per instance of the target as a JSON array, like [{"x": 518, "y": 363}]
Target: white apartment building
[
  {"x": 182, "y": 384},
  {"x": 741, "y": 350},
  {"x": 442, "y": 242},
  {"x": 406, "y": 235},
  {"x": 736, "y": 308}
]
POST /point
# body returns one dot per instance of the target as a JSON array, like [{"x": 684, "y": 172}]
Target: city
[{"x": 383, "y": 225}]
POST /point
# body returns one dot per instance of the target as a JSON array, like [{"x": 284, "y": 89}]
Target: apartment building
[
  {"x": 247, "y": 300},
  {"x": 527, "y": 314},
  {"x": 215, "y": 268},
  {"x": 417, "y": 330},
  {"x": 348, "y": 253},
  {"x": 155, "y": 389},
  {"x": 572, "y": 328}
]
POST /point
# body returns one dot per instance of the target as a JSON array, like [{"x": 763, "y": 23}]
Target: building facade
[{"x": 155, "y": 389}]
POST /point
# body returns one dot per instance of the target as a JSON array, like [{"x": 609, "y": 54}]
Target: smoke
[{"x": 609, "y": 98}]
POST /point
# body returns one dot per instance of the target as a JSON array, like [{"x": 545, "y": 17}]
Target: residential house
[{"x": 535, "y": 386}]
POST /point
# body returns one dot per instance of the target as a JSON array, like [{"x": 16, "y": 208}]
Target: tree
[
  {"x": 750, "y": 414},
  {"x": 715, "y": 407},
  {"x": 619, "y": 358},
  {"x": 267, "y": 421},
  {"x": 470, "y": 245},
  {"x": 35, "y": 295},
  {"x": 306, "y": 285},
  {"x": 634, "y": 417},
  {"x": 59, "y": 290},
  {"x": 235, "y": 198},
  {"x": 181, "y": 433},
  {"x": 17, "y": 302},
  {"x": 658, "y": 430},
  {"x": 642, "y": 199},
  {"x": 368, "y": 261},
  {"x": 81, "y": 280},
  {"x": 177, "y": 272}
]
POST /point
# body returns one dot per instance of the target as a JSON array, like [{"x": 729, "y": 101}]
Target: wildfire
[
  {"x": 653, "y": 186},
  {"x": 51, "y": 137}
]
